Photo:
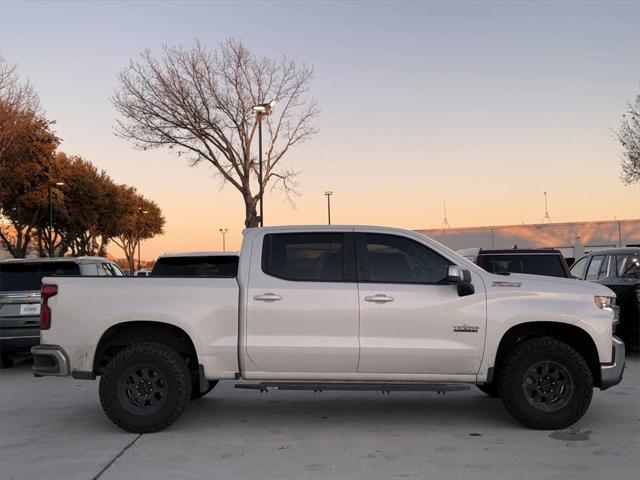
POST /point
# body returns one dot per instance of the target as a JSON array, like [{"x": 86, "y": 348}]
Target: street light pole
[
  {"x": 262, "y": 110},
  {"x": 140, "y": 211},
  {"x": 328, "y": 194},
  {"x": 224, "y": 231},
  {"x": 50, "y": 187},
  {"x": 260, "y": 171}
]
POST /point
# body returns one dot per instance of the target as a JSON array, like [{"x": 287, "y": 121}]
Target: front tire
[
  {"x": 145, "y": 388},
  {"x": 545, "y": 384}
]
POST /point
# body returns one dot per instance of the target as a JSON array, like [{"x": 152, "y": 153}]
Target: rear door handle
[
  {"x": 267, "y": 297},
  {"x": 379, "y": 298}
]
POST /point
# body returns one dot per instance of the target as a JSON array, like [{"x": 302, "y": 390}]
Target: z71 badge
[
  {"x": 507, "y": 284},
  {"x": 465, "y": 328}
]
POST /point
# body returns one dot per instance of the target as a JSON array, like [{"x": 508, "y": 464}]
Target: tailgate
[{"x": 19, "y": 311}]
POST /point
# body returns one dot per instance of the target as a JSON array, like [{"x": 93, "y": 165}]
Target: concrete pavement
[{"x": 54, "y": 428}]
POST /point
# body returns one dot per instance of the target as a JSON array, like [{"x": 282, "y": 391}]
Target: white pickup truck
[{"x": 319, "y": 308}]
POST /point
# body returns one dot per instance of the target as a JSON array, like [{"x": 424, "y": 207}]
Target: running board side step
[{"x": 362, "y": 387}]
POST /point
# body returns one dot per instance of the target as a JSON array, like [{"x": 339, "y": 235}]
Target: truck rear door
[{"x": 302, "y": 304}]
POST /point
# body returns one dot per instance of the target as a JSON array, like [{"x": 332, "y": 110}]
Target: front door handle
[
  {"x": 379, "y": 298},
  {"x": 267, "y": 297}
]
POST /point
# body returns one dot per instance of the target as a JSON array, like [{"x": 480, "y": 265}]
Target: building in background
[{"x": 573, "y": 239}]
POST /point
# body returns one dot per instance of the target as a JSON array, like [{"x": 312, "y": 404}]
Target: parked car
[
  {"x": 196, "y": 264},
  {"x": 619, "y": 270},
  {"x": 142, "y": 273},
  {"x": 333, "y": 308},
  {"x": 547, "y": 262},
  {"x": 20, "y": 296}
]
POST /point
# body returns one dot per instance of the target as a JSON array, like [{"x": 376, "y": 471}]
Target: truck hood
[{"x": 540, "y": 283}]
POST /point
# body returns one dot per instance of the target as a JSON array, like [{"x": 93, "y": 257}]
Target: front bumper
[
  {"x": 49, "y": 360},
  {"x": 611, "y": 373}
]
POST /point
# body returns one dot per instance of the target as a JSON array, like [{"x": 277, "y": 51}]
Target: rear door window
[
  {"x": 304, "y": 257},
  {"x": 604, "y": 268},
  {"x": 15, "y": 277},
  {"x": 594, "y": 267},
  {"x": 628, "y": 266}
]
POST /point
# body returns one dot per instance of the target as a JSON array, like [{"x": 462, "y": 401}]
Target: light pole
[
  {"x": 224, "y": 231},
  {"x": 140, "y": 212},
  {"x": 328, "y": 194},
  {"x": 50, "y": 187},
  {"x": 262, "y": 110}
]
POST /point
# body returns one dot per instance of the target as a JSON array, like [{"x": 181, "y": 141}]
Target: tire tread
[
  {"x": 508, "y": 375},
  {"x": 179, "y": 369}
]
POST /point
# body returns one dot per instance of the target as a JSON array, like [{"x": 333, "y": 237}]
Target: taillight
[{"x": 46, "y": 292}]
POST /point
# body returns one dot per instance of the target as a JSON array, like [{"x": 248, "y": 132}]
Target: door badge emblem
[{"x": 465, "y": 328}]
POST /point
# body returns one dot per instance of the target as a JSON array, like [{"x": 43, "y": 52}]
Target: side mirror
[
  {"x": 458, "y": 274},
  {"x": 462, "y": 278}
]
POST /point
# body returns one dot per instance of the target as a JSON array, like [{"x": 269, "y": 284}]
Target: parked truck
[{"x": 333, "y": 307}]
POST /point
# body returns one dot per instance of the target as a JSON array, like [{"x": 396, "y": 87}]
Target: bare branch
[
  {"x": 629, "y": 138},
  {"x": 199, "y": 102}
]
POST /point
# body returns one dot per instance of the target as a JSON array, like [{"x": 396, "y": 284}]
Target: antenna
[
  {"x": 547, "y": 217},
  {"x": 445, "y": 222}
]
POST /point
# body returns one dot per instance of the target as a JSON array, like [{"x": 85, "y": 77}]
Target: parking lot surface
[{"x": 54, "y": 428}]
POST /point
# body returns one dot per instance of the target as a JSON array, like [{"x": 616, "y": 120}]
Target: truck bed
[{"x": 205, "y": 308}]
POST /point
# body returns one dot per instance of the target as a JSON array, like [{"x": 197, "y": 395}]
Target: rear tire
[
  {"x": 489, "y": 389},
  {"x": 545, "y": 384},
  {"x": 145, "y": 388}
]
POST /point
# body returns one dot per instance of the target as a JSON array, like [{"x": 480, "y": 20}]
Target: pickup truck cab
[{"x": 333, "y": 307}]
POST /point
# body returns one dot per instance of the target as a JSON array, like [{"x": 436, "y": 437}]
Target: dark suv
[
  {"x": 547, "y": 262},
  {"x": 20, "y": 296},
  {"x": 618, "y": 269}
]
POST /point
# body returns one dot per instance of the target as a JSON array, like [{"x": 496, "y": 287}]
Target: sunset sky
[{"x": 484, "y": 104}]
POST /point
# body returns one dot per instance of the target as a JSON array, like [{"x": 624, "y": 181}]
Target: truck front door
[
  {"x": 302, "y": 305},
  {"x": 412, "y": 321}
]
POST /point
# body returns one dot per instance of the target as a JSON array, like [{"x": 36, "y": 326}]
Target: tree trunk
[{"x": 251, "y": 219}]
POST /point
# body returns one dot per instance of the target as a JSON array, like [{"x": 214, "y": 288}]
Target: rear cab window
[
  {"x": 549, "y": 265},
  {"x": 109, "y": 270},
  {"x": 196, "y": 266},
  {"x": 15, "y": 277}
]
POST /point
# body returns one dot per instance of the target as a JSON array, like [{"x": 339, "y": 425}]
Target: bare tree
[
  {"x": 629, "y": 137},
  {"x": 199, "y": 102},
  {"x": 19, "y": 104}
]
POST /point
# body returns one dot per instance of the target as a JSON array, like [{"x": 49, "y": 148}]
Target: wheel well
[
  {"x": 569, "y": 334},
  {"x": 122, "y": 335}
]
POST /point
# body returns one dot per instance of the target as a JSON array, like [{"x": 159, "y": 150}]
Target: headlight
[{"x": 604, "y": 302}]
